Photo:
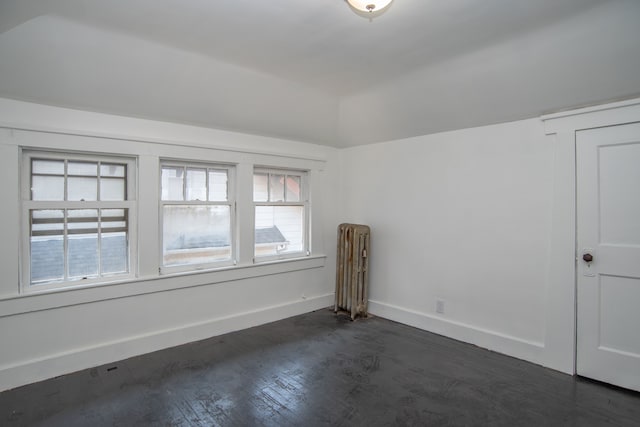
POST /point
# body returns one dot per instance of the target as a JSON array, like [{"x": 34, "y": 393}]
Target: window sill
[{"x": 56, "y": 298}]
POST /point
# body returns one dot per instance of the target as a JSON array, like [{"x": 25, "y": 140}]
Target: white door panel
[
  {"x": 614, "y": 294},
  {"x": 608, "y": 228}
]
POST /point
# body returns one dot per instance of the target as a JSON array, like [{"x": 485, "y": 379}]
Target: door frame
[{"x": 561, "y": 300}]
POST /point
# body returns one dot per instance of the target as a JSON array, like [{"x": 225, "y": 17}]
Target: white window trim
[
  {"x": 146, "y": 151},
  {"x": 27, "y": 205},
  {"x": 304, "y": 201},
  {"x": 231, "y": 202}
]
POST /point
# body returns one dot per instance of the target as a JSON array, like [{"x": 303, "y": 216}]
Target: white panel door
[{"x": 608, "y": 231}]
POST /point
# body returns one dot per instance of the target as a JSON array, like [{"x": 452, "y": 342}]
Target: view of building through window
[
  {"x": 81, "y": 214},
  {"x": 77, "y": 228},
  {"x": 196, "y": 214},
  {"x": 279, "y": 212}
]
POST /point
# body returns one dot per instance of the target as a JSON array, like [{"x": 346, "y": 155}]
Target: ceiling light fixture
[{"x": 369, "y": 7}]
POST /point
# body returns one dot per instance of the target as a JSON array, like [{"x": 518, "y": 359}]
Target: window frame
[
  {"x": 304, "y": 202},
  {"x": 231, "y": 202},
  {"x": 27, "y": 205}
]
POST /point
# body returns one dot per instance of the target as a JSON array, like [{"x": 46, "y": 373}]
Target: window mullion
[
  {"x": 206, "y": 184},
  {"x": 184, "y": 183},
  {"x": 284, "y": 188},
  {"x": 115, "y": 204},
  {"x": 268, "y": 187},
  {"x": 98, "y": 182},
  {"x": 65, "y": 245},
  {"x": 99, "y": 237},
  {"x": 301, "y": 203},
  {"x": 193, "y": 203},
  {"x": 66, "y": 181}
]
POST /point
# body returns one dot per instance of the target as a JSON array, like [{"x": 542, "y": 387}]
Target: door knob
[{"x": 587, "y": 257}]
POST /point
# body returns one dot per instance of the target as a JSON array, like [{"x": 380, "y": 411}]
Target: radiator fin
[{"x": 352, "y": 269}]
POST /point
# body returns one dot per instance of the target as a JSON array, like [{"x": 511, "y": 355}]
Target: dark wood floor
[{"x": 319, "y": 369}]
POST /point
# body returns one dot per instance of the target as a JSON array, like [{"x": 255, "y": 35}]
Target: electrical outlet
[{"x": 440, "y": 306}]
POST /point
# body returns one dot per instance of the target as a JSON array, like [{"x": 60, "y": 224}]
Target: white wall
[
  {"x": 463, "y": 217},
  {"x": 48, "y": 334},
  {"x": 484, "y": 220}
]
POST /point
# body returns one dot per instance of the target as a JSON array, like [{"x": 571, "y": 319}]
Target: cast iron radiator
[{"x": 352, "y": 269}]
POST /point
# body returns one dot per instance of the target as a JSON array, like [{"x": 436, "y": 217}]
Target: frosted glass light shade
[{"x": 369, "y": 5}]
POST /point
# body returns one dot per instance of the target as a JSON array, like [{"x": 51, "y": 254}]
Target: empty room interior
[{"x": 175, "y": 175}]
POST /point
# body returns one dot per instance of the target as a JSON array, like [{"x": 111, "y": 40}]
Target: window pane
[
  {"x": 114, "y": 252},
  {"x": 293, "y": 188},
  {"x": 47, "y": 258},
  {"x": 47, "y": 188},
  {"x": 276, "y": 188},
  {"x": 47, "y": 222},
  {"x": 47, "y": 245},
  {"x": 82, "y": 221},
  {"x": 83, "y": 255},
  {"x": 82, "y": 188},
  {"x": 197, "y": 184},
  {"x": 114, "y": 243},
  {"x": 53, "y": 167},
  {"x": 279, "y": 229},
  {"x": 260, "y": 187},
  {"x": 112, "y": 219},
  {"x": 172, "y": 183},
  {"x": 82, "y": 168},
  {"x": 107, "y": 169},
  {"x": 218, "y": 185},
  {"x": 112, "y": 189},
  {"x": 82, "y": 230},
  {"x": 196, "y": 234}
]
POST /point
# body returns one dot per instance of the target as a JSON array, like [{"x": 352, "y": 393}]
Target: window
[
  {"x": 197, "y": 213},
  {"x": 281, "y": 213},
  {"x": 79, "y": 211}
]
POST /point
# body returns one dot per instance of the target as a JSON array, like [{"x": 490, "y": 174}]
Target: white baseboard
[
  {"x": 31, "y": 371},
  {"x": 530, "y": 351}
]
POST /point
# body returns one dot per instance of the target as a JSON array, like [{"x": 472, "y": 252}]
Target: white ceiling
[{"x": 312, "y": 70}]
